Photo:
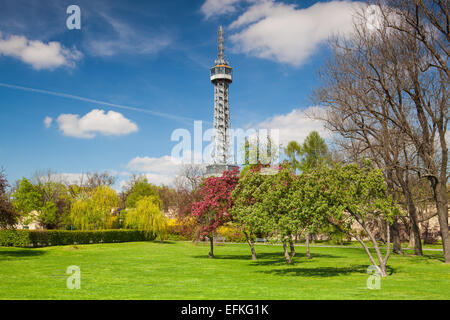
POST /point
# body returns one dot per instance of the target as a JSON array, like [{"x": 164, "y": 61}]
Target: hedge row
[{"x": 40, "y": 238}]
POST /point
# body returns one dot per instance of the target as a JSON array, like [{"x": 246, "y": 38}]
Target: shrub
[
  {"x": 40, "y": 238},
  {"x": 182, "y": 228},
  {"x": 231, "y": 233}
]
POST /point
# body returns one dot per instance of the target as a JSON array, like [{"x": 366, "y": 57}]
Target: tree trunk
[
  {"x": 308, "y": 254},
  {"x": 291, "y": 245},
  {"x": 411, "y": 241},
  {"x": 251, "y": 244},
  {"x": 442, "y": 209},
  {"x": 382, "y": 269},
  {"x": 415, "y": 229},
  {"x": 382, "y": 262},
  {"x": 396, "y": 237},
  {"x": 286, "y": 253},
  {"x": 211, "y": 241}
]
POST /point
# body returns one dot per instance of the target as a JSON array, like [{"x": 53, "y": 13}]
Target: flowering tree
[
  {"x": 8, "y": 216},
  {"x": 214, "y": 208}
]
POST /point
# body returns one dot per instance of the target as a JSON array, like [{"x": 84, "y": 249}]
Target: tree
[
  {"x": 95, "y": 180},
  {"x": 147, "y": 215},
  {"x": 213, "y": 210},
  {"x": 56, "y": 198},
  {"x": 141, "y": 188},
  {"x": 277, "y": 202},
  {"x": 247, "y": 210},
  {"x": 8, "y": 216},
  {"x": 293, "y": 152},
  {"x": 49, "y": 198},
  {"x": 167, "y": 196},
  {"x": 314, "y": 152},
  {"x": 352, "y": 194},
  {"x": 259, "y": 150},
  {"x": 26, "y": 199},
  {"x": 308, "y": 212},
  {"x": 49, "y": 215},
  {"x": 93, "y": 210},
  {"x": 291, "y": 208},
  {"x": 387, "y": 87},
  {"x": 189, "y": 177},
  {"x": 422, "y": 28}
]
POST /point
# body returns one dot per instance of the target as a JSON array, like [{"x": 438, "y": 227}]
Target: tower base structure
[{"x": 216, "y": 170}]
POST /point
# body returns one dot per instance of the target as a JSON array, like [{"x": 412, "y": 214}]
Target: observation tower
[{"x": 221, "y": 77}]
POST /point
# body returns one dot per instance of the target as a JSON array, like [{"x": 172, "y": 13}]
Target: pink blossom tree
[{"x": 215, "y": 207}]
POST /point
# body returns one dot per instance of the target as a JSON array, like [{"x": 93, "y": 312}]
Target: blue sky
[{"x": 154, "y": 56}]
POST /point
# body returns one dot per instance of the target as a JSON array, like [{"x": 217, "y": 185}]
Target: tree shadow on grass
[
  {"x": 279, "y": 258},
  {"x": 20, "y": 253},
  {"x": 267, "y": 258},
  {"x": 164, "y": 242},
  {"x": 323, "y": 271},
  {"x": 438, "y": 257}
]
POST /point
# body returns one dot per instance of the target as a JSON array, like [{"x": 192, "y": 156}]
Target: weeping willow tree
[
  {"x": 92, "y": 211},
  {"x": 147, "y": 216}
]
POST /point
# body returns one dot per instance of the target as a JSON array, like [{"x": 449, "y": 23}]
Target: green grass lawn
[{"x": 182, "y": 270}]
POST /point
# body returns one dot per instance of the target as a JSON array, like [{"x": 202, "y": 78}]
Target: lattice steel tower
[{"x": 221, "y": 77}]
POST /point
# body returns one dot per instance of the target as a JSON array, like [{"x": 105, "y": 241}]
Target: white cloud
[
  {"x": 48, "y": 122},
  {"x": 283, "y": 32},
  {"x": 159, "y": 179},
  {"x": 95, "y": 122},
  {"x": 158, "y": 171},
  {"x": 38, "y": 54},
  {"x": 296, "y": 125},
  {"x": 218, "y": 7},
  {"x": 163, "y": 165}
]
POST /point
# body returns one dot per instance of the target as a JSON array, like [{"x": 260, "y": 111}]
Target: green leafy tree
[
  {"x": 353, "y": 194},
  {"x": 26, "y": 199},
  {"x": 293, "y": 152},
  {"x": 279, "y": 203},
  {"x": 141, "y": 188},
  {"x": 147, "y": 216},
  {"x": 49, "y": 214},
  {"x": 56, "y": 204},
  {"x": 93, "y": 211},
  {"x": 50, "y": 199},
  {"x": 259, "y": 151},
  {"x": 314, "y": 152},
  {"x": 247, "y": 210}
]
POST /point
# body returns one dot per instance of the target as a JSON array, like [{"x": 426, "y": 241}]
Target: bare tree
[
  {"x": 97, "y": 179},
  {"x": 387, "y": 90},
  {"x": 189, "y": 176}
]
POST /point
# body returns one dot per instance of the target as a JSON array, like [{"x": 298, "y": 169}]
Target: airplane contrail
[{"x": 71, "y": 96}]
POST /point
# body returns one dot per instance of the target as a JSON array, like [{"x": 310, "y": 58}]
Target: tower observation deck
[{"x": 221, "y": 76}]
